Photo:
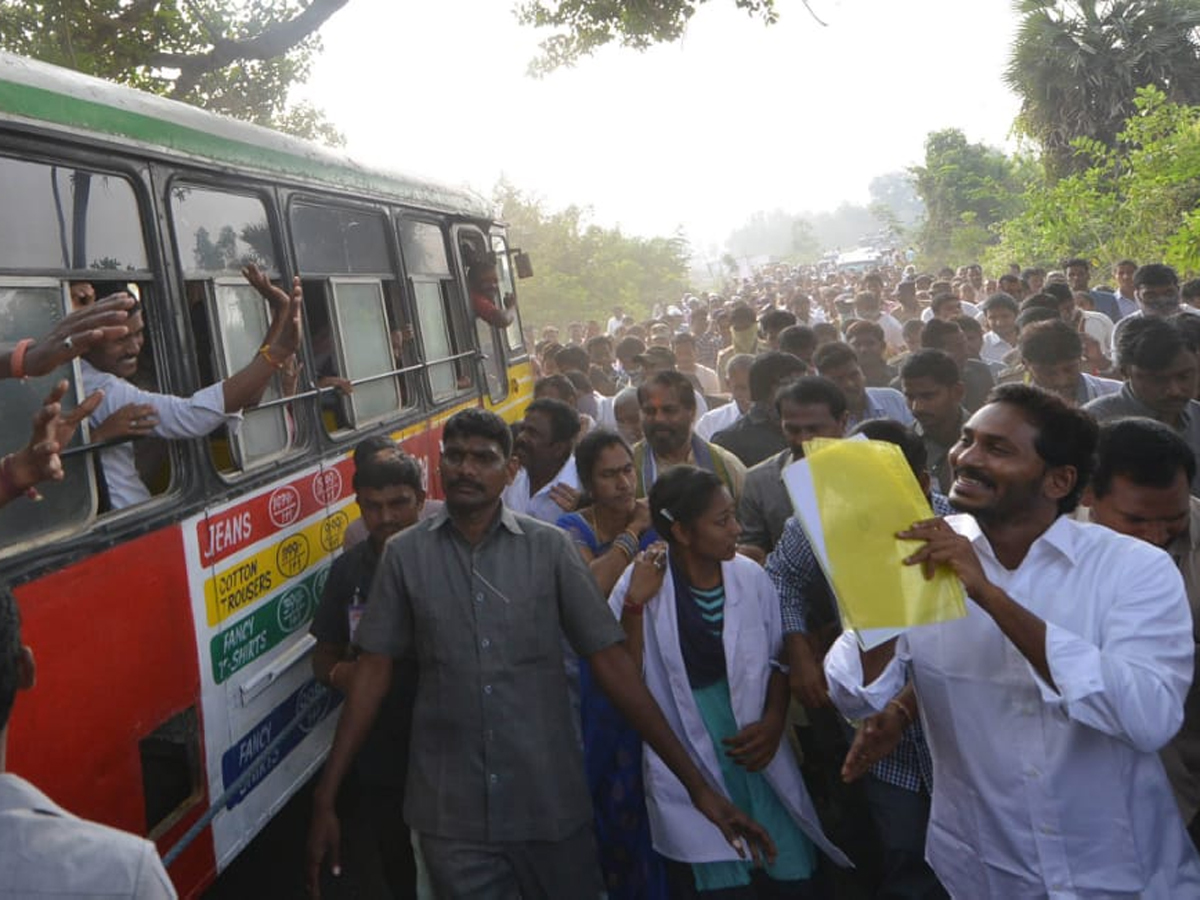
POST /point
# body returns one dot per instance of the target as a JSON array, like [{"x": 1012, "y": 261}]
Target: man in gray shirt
[
  {"x": 1160, "y": 367},
  {"x": 495, "y": 784}
]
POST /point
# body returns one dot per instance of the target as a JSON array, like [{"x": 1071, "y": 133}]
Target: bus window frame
[
  {"x": 515, "y": 351},
  {"x": 402, "y": 306},
  {"x": 80, "y": 444},
  {"x": 335, "y": 321},
  {"x": 457, "y": 324},
  {"x": 212, "y": 303}
]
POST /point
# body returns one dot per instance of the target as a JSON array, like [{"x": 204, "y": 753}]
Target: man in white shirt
[
  {"x": 737, "y": 376},
  {"x": 547, "y": 484},
  {"x": 1045, "y": 706},
  {"x": 1001, "y": 312},
  {"x": 44, "y": 850},
  {"x": 129, "y": 412}
]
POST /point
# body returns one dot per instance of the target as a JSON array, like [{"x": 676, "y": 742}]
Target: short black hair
[
  {"x": 365, "y": 449},
  {"x": 814, "y": 390},
  {"x": 1059, "y": 291},
  {"x": 560, "y": 384},
  {"x": 572, "y": 359},
  {"x": 629, "y": 347},
  {"x": 1190, "y": 289},
  {"x": 833, "y": 354},
  {"x": 936, "y": 332},
  {"x": 482, "y": 423},
  {"x": 774, "y": 321},
  {"x": 1001, "y": 301},
  {"x": 10, "y": 652},
  {"x": 1041, "y": 300},
  {"x": 1076, "y": 261},
  {"x": 681, "y": 495},
  {"x": 1051, "y": 342},
  {"x": 864, "y": 326},
  {"x": 588, "y": 451},
  {"x": 1035, "y": 314},
  {"x": 592, "y": 344},
  {"x": 941, "y": 299},
  {"x": 564, "y": 418},
  {"x": 935, "y": 364},
  {"x": 797, "y": 340},
  {"x": 1146, "y": 451},
  {"x": 389, "y": 471},
  {"x": 1156, "y": 275},
  {"x": 685, "y": 393},
  {"x": 1065, "y": 436},
  {"x": 738, "y": 361},
  {"x": 911, "y": 444},
  {"x": 769, "y": 369},
  {"x": 1150, "y": 343},
  {"x": 968, "y": 323}
]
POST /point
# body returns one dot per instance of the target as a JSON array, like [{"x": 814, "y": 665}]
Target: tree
[
  {"x": 228, "y": 56},
  {"x": 1140, "y": 199},
  {"x": 584, "y": 26},
  {"x": 967, "y": 189},
  {"x": 583, "y": 270},
  {"x": 1077, "y": 67}
]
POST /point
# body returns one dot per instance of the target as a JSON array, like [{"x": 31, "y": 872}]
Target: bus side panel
[{"x": 116, "y": 658}]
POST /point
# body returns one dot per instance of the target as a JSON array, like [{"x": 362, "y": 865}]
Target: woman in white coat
[{"x": 704, "y": 624}]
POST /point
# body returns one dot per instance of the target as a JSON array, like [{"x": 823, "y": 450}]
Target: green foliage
[
  {"x": 967, "y": 189},
  {"x": 1077, "y": 67},
  {"x": 584, "y": 26},
  {"x": 236, "y": 57},
  {"x": 1138, "y": 199},
  {"x": 582, "y": 271}
]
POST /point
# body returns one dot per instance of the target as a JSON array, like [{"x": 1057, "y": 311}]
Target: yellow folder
[{"x": 865, "y": 492}]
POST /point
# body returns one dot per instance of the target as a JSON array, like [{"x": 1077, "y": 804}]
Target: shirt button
[
  {"x": 479, "y": 598},
  {"x": 493, "y": 778},
  {"x": 1031, "y": 772},
  {"x": 485, "y": 643},
  {"x": 487, "y": 688}
]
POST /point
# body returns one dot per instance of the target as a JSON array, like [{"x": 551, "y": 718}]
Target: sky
[{"x": 698, "y": 135}]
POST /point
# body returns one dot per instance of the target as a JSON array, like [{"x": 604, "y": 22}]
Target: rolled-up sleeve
[
  {"x": 1130, "y": 684},
  {"x": 843, "y": 672},
  {"x": 787, "y": 574}
]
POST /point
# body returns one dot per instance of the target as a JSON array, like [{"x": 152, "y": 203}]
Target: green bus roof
[{"x": 39, "y": 94}]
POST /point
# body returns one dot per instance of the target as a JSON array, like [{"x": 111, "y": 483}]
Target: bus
[{"x": 172, "y": 635}]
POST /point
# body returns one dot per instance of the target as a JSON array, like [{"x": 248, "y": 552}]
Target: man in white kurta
[{"x": 1044, "y": 707}]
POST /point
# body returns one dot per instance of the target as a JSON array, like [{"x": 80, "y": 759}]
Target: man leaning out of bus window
[
  {"x": 129, "y": 412},
  {"x": 44, "y": 850},
  {"x": 483, "y": 278},
  {"x": 378, "y": 857}
]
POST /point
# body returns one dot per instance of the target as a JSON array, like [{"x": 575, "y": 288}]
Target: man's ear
[
  {"x": 26, "y": 669},
  {"x": 960, "y": 391},
  {"x": 1059, "y": 481}
]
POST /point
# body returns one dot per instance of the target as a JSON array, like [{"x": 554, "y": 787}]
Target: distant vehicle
[{"x": 861, "y": 259}]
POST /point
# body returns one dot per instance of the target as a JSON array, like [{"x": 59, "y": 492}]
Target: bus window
[
  {"x": 441, "y": 312},
  {"x": 58, "y": 217},
  {"x": 356, "y": 323},
  {"x": 512, "y": 334},
  {"x": 217, "y": 233},
  {"x": 364, "y": 343},
  {"x": 32, "y": 307}
]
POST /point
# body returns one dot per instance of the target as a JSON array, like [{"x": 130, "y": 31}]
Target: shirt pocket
[{"x": 530, "y": 625}]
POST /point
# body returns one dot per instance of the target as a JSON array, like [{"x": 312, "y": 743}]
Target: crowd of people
[{"x": 610, "y": 663}]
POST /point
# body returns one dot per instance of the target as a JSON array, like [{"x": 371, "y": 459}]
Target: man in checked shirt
[{"x": 889, "y": 748}]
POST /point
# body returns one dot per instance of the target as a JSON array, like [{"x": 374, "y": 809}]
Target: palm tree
[{"x": 1076, "y": 66}]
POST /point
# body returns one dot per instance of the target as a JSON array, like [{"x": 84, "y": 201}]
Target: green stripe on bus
[{"x": 54, "y": 107}]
